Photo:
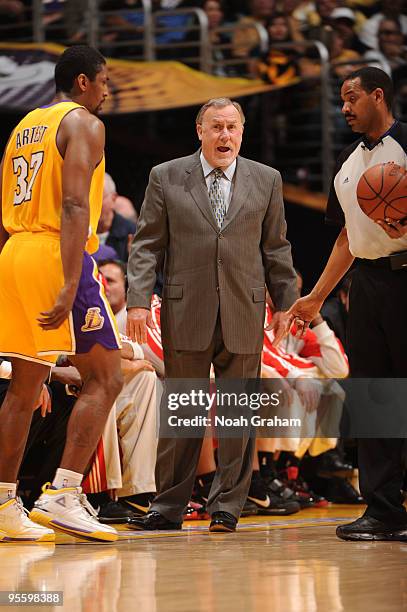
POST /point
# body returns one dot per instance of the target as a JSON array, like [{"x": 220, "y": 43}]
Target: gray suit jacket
[{"x": 207, "y": 270}]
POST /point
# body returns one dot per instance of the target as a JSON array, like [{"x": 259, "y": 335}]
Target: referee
[{"x": 377, "y": 327}]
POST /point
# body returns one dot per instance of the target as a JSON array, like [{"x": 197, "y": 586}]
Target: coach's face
[
  {"x": 220, "y": 134},
  {"x": 360, "y": 107}
]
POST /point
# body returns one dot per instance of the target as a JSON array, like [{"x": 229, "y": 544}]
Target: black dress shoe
[
  {"x": 114, "y": 512},
  {"x": 223, "y": 521},
  {"x": 152, "y": 521},
  {"x": 369, "y": 528}
]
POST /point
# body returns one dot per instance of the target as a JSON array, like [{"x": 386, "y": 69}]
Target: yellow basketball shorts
[{"x": 31, "y": 276}]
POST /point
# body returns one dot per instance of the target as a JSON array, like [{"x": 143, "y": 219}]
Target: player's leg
[
  {"x": 63, "y": 506},
  {"x": 137, "y": 428},
  {"x": 15, "y": 418},
  {"x": 102, "y": 382}
]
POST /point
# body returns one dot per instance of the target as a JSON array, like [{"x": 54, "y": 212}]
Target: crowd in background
[{"x": 366, "y": 31}]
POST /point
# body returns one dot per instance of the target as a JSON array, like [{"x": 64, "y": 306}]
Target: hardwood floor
[{"x": 292, "y": 564}]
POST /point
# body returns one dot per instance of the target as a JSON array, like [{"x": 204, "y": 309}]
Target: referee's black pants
[{"x": 377, "y": 346}]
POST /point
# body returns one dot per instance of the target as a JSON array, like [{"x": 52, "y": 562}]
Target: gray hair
[
  {"x": 219, "y": 103},
  {"x": 109, "y": 185}
]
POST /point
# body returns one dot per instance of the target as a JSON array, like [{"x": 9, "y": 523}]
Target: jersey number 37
[{"x": 26, "y": 173}]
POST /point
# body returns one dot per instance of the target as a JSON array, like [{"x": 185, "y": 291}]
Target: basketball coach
[{"x": 218, "y": 220}]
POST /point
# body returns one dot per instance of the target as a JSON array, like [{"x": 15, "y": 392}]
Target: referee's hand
[
  {"x": 303, "y": 311},
  {"x": 395, "y": 228}
]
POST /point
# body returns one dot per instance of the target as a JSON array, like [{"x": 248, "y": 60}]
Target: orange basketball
[{"x": 382, "y": 192}]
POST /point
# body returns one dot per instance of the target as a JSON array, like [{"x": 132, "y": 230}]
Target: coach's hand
[
  {"x": 137, "y": 321},
  {"x": 63, "y": 306},
  {"x": 280, "y": 324}
]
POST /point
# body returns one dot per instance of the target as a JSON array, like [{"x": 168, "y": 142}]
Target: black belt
[{"x": 395, "y": 261}]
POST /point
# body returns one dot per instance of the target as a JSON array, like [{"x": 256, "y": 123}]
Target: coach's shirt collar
[{"x": 207, "y": 168}]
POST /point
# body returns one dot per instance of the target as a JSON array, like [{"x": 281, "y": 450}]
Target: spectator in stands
[
  {"x": 124, "y": 207},
  {"x": 175, "y": 29},
  {"x": 319, "y": 22},
  {"x": 113, "y": 229},
  {"x": 343, "y": 21},
  {"x": 114, "y": 272},
  {"x": 343, "y": 59},
  {"x": 135, "y": 414},
  {"x": 123, "y": 20},
  {"x": 214, "y": 10},
  {"x": 246, "y": 37},
  {"x": 315, "y": 18},
  {"x": 392, "y": 9},
  {"x": 391, "y": 53},
  {"x": 318, "y": 354},
  {"x": 278, "y": 66},
  {"x": 53, "y": 19},
  {"x": 12, "y": 13}
]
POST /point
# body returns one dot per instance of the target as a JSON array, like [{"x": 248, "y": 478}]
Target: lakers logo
[{"x": 93, "y": 320}]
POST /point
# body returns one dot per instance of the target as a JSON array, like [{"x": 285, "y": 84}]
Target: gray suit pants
[{"x": 177, "y": 459}]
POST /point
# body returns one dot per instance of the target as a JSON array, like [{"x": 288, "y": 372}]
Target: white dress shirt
[{"x": 225, "y": 182}]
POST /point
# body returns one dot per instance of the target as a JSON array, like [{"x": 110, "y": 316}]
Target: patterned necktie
[{"x": 217, "y": 198}]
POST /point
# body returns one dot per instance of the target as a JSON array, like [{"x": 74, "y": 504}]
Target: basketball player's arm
[
  {"x": 83, "y": 140},
  {"x": 339, "y": 262},
  {"x": 3, "y": 234}
]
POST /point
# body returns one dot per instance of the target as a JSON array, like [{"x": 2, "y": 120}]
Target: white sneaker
[
  {"x": 69, "y": 511},
  {"x": 15, "y": 526}
]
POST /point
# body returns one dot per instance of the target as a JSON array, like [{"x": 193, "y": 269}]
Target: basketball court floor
[{"x": 290, "y": 564}]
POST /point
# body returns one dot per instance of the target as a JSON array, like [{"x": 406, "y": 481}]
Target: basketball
[{"x": 382, "y": 192}]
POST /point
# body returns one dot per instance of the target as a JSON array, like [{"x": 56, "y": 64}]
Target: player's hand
[
  {"x": 303, "y": 311},
  {"x": 44, "y": 401},
  {"x": 393, "y": 227},
  {"x": 280, "y": 324},
  {"x": 286, "y": 393},
  {"x": 309, "y": 392},
  {"x": 67, "y": 376},
  {"x": 282, "y": 385},
  {"x": 136, "y": 366},
  {"x": 63, "y": 306},
  {"x": 137, "y": 321}
]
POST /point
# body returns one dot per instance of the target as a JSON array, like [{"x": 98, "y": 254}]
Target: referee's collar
[
  {"x": 371, "y": 145},
  {"x": 207, "y": 168}
]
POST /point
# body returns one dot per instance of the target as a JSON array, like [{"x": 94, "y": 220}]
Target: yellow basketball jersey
[{"x": 32, "y": 176}]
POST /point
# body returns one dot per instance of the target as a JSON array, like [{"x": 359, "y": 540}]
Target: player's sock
[
  {"x": 66, "y": 478},
  {"x": 7, "y": 491}
]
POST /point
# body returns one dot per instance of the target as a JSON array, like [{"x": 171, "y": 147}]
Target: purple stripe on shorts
[{"x": 92, "y": 324}]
